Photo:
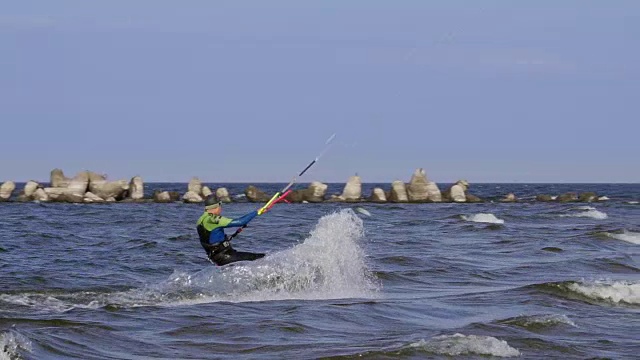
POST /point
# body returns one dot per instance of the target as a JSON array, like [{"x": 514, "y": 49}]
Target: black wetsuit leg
[{"x": 230, "y": 255}]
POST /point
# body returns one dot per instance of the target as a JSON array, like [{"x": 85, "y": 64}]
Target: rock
[
  {"x": 588, "y": 197},
  {"x": 568, "y": 197},
  {"x": 110, "y": 200},
  {"x": 62, "y": 194},
  {"x": 90, "y": 197},
  {"x": 136, "y": 188},
  {"x": 161, "y": 196},
  {"x": 336, "y": 198},
  {"x": 544, "y": 198},
  {"x": 40, "y": 195},
  {"x": 96, "y": 178},
  {"x": 464, "y": 184},
  {"x": 378, "y": 196},
  {"x": 417, "y": 187},
  {"x": 433, "y": 192},
  {"x": 195, "y": 185},
  {"x": 106, "y": 189},
  {"x": 79, "y": 184},
  {"x": 353, "y": 189},
  {"x": 57, "y": 179},
  {"x": 456, "y": 193},
  {"x": 192, "y": 197},
  {"x": 6, "y": 190},
  {"x": 510, "y": 197},
  {"x": 473, "y": 199},
  {"x": 297, "y": 196},
  {"x": 206, "y": 192},
  {"x": 222, "y": 194},
  {"x": 315, "y": 192},
  {"x": 398, "y": 192},
  {"x": 30, "y": 188},
  {"x": 256, "y": 195}
]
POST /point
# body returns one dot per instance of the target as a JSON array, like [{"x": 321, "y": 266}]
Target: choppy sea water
[{"x": 130, "y": 281}]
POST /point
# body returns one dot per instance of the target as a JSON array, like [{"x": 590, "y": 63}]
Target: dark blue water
[{"x": 130, "y": 281}]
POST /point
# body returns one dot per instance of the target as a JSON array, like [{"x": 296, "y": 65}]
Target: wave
[
  {"x": 628, "y": 236},
  {"x": 12, "y": 344},
  {"x": 458, "y": 344},
  {"x": 329, "y": 264},
  {"x": 483, "y": 218},
  {"x": 587, "y": 211},
  {"x": 599, "y": 291},
  {"x": 539, "y": 322}
]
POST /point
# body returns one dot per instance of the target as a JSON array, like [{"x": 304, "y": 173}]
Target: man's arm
[{"x": 241, "y": 221}]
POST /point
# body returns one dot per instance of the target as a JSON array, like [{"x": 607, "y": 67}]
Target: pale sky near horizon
[{"x": 235, "y": 91}]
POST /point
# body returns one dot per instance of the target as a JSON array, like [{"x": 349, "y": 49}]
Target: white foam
[
  {"x": 628, "y": 236},
  {"x": 458, "y": 344},
  {"x": 483, "y": 218},
  {"x": 362, "y": 211},
  {"x": 632, "y": 202},
  {"x": 547, "y": 320},
  {"x": 329, "y": 264},
  {"x": 614, "y": 291},
  {"x": 12, "y": 343},
  {"x": 589, "y": 212}
]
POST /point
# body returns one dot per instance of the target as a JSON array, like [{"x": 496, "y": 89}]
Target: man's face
[{"x": 215, "y": 211}]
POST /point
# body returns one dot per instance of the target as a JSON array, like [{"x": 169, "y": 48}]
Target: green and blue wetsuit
[{"x": 216, "y": 243}]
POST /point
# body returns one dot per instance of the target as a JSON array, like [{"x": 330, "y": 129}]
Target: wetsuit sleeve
[{"x": 244, "y": 220}]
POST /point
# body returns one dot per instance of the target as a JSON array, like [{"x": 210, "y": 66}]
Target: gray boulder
[
  {"x": 544, "y": 198},
  {"x": 162, "y": 196},
  {"x": 568, "y": 197},
  {"x": 40, "y": 195},
  {"x": 30, "y": 188},
  {"x": 136, "y": 188},
  {"x": 57, "y": 179},
  {"x": 195, "y": 185},
  {"x": 192, "y": 197},
  {"x": 90, "y": 197},
  {"x": 254, "y": 194},
  {"x": 456, "y": 193},
  {"x": 6, "y": 190},
  {"x": 222, "y": 194},
  {"x": 353, "y": 189},
  {"x": 417, "y": 187},
  {"x": 398, "y": 192},
  {"x": 433, "y": 192},
  {"x": 378, "y": 196},
  {"x": 316, "y": 192}
]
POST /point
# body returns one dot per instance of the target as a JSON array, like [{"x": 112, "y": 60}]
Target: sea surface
[{"x": 527, "y": 280}]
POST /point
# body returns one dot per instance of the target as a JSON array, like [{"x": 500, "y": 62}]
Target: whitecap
[
  {"x": 458, "y": 344},
  {"x": 362, "y": 211},
  {"x": 588, "y": 212},
  {"x": 632, "y": 202},
  {"x": 545, "y": 320},
  {"x": 628, "y": 236},
  {"x": 613, "y": 291},
  {"x": 483, "y": 218},
  {"x": 12, "y": 343}
]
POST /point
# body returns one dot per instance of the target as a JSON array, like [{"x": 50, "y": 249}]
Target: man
[{"x": 213, "y": 239}]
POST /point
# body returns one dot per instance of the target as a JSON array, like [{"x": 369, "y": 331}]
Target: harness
[{"x": 204, "y": 235}]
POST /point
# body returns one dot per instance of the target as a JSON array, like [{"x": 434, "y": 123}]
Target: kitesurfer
[{"x": 213, "y": 239}]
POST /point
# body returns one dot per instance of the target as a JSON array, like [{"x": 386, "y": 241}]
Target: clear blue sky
[{"x": 489, "y": 91}]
